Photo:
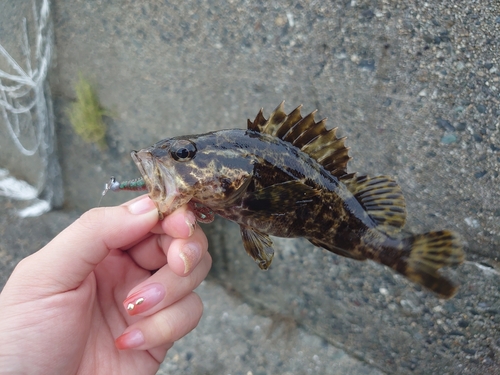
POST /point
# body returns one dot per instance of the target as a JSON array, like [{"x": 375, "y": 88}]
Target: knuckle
[
  {"x": 166, "y": 326},
  {"x": 181, "y": 320},
  {"x": 23, "y": 265},
  {"x": 197, "y": 305},
  {"x": 93, "y": 218}
]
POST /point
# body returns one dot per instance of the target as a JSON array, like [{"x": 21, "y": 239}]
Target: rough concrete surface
[
  {"x": 415, "y": 87},
  {"x": 367, "y": 309},
  {"x": 233, "y": 339}
]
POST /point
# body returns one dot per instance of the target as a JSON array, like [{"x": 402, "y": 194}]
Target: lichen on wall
[{"x": 86, "y": 114}]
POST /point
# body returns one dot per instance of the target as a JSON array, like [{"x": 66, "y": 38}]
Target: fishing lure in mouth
[
  {"x": 137, "y": 184},
  {"x": 286, "y": 176}
]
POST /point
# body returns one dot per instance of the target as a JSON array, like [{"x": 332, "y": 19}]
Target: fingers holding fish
[
  {"x": 181, "y": 254},
  {"x": 179, "y": 224}
]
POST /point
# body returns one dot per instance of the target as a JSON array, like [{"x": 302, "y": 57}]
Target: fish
[{"x": 286, "y": 176}]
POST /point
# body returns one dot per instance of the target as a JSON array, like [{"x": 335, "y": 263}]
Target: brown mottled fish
[{"x": 286, "y": 176}]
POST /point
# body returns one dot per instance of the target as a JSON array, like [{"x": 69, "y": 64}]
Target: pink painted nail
[
  {"x": 130, "y": 340},
  {"x": 144, "y": 299}
]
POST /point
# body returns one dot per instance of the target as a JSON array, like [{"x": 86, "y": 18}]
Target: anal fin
[{"x": 337, "y": 250}]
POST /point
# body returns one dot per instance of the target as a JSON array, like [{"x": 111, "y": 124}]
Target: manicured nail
[
  {"x": 130, "y": 340},
  {"x": 190, "y": 255},
  {"x": 144, "y": 299},
  {"x": 142, "y": 206},
  {"x": 191, "y": 222}
]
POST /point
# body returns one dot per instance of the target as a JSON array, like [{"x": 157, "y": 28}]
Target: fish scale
[{"x": 287, "y": 176}]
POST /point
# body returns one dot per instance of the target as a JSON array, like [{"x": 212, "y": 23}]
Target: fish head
[{"x": 178, "y": 170}]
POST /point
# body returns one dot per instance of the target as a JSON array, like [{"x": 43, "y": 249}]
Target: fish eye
[{"x": 183, "y": 150}]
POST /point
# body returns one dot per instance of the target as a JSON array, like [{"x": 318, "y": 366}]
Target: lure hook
[{"x": 112, "y": 185}]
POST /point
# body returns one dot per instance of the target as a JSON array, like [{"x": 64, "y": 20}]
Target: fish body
[{"x": 286, "y": 176}]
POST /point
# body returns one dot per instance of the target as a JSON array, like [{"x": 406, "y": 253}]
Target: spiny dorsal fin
[
  {"x": 308, "y": 135},
  {"x": 382, "y": 198}
]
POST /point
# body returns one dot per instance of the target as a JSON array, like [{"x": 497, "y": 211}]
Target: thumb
[{"x": 71, "y": 256}]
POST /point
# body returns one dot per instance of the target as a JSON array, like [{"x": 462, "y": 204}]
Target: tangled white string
[{"x": 22, "y": 98}]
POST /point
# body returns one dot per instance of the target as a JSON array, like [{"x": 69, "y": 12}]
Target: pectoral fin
[
  {"x": 203, "y": 213},
  {"x": 258, "y": 245},
  {"x": 236, "y": 195},
  {"x": 281, "y": 198}
]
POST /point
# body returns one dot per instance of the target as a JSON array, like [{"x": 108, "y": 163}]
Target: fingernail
[
  {"x": 142, "y": 206},
  {"x": 191, "y": 222},
  {"x": 130, "y": 340},
  {"x": 144, "y": 299},
  {"x": 190, "y": 255}
]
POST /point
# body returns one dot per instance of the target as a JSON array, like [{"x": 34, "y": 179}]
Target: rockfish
[{"x": 286, "y": 176}]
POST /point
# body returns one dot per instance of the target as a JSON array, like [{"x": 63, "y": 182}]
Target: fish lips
[{"x": 158, "y": 179}]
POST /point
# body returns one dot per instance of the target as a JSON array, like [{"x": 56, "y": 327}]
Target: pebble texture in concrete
[{"x": 232, "y": 338}]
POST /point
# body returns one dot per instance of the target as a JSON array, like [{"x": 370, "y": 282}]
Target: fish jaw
[{"x": 161, "y": 184}]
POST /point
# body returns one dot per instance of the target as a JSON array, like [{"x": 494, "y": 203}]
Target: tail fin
[{"x": 428, "y": 253}]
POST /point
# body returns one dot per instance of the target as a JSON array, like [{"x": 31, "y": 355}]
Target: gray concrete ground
[
  {"x": 234, "y": 339},
  {"x": 415, "y": 87}
]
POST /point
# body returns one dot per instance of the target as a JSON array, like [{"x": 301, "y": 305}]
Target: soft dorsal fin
[
  {"x": 306, "y": 134},
  {"x": 382, "y": 199}
]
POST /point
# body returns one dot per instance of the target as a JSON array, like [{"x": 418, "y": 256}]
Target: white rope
[
  {"x": 26, "y": 110},
  {"x": 25, "y": 91}
]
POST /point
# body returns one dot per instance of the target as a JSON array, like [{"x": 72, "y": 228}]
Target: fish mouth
[{"x": 159, "y": 181}]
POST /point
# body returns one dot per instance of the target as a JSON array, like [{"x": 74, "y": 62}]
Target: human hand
[{"x": 63, "y": 307}]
